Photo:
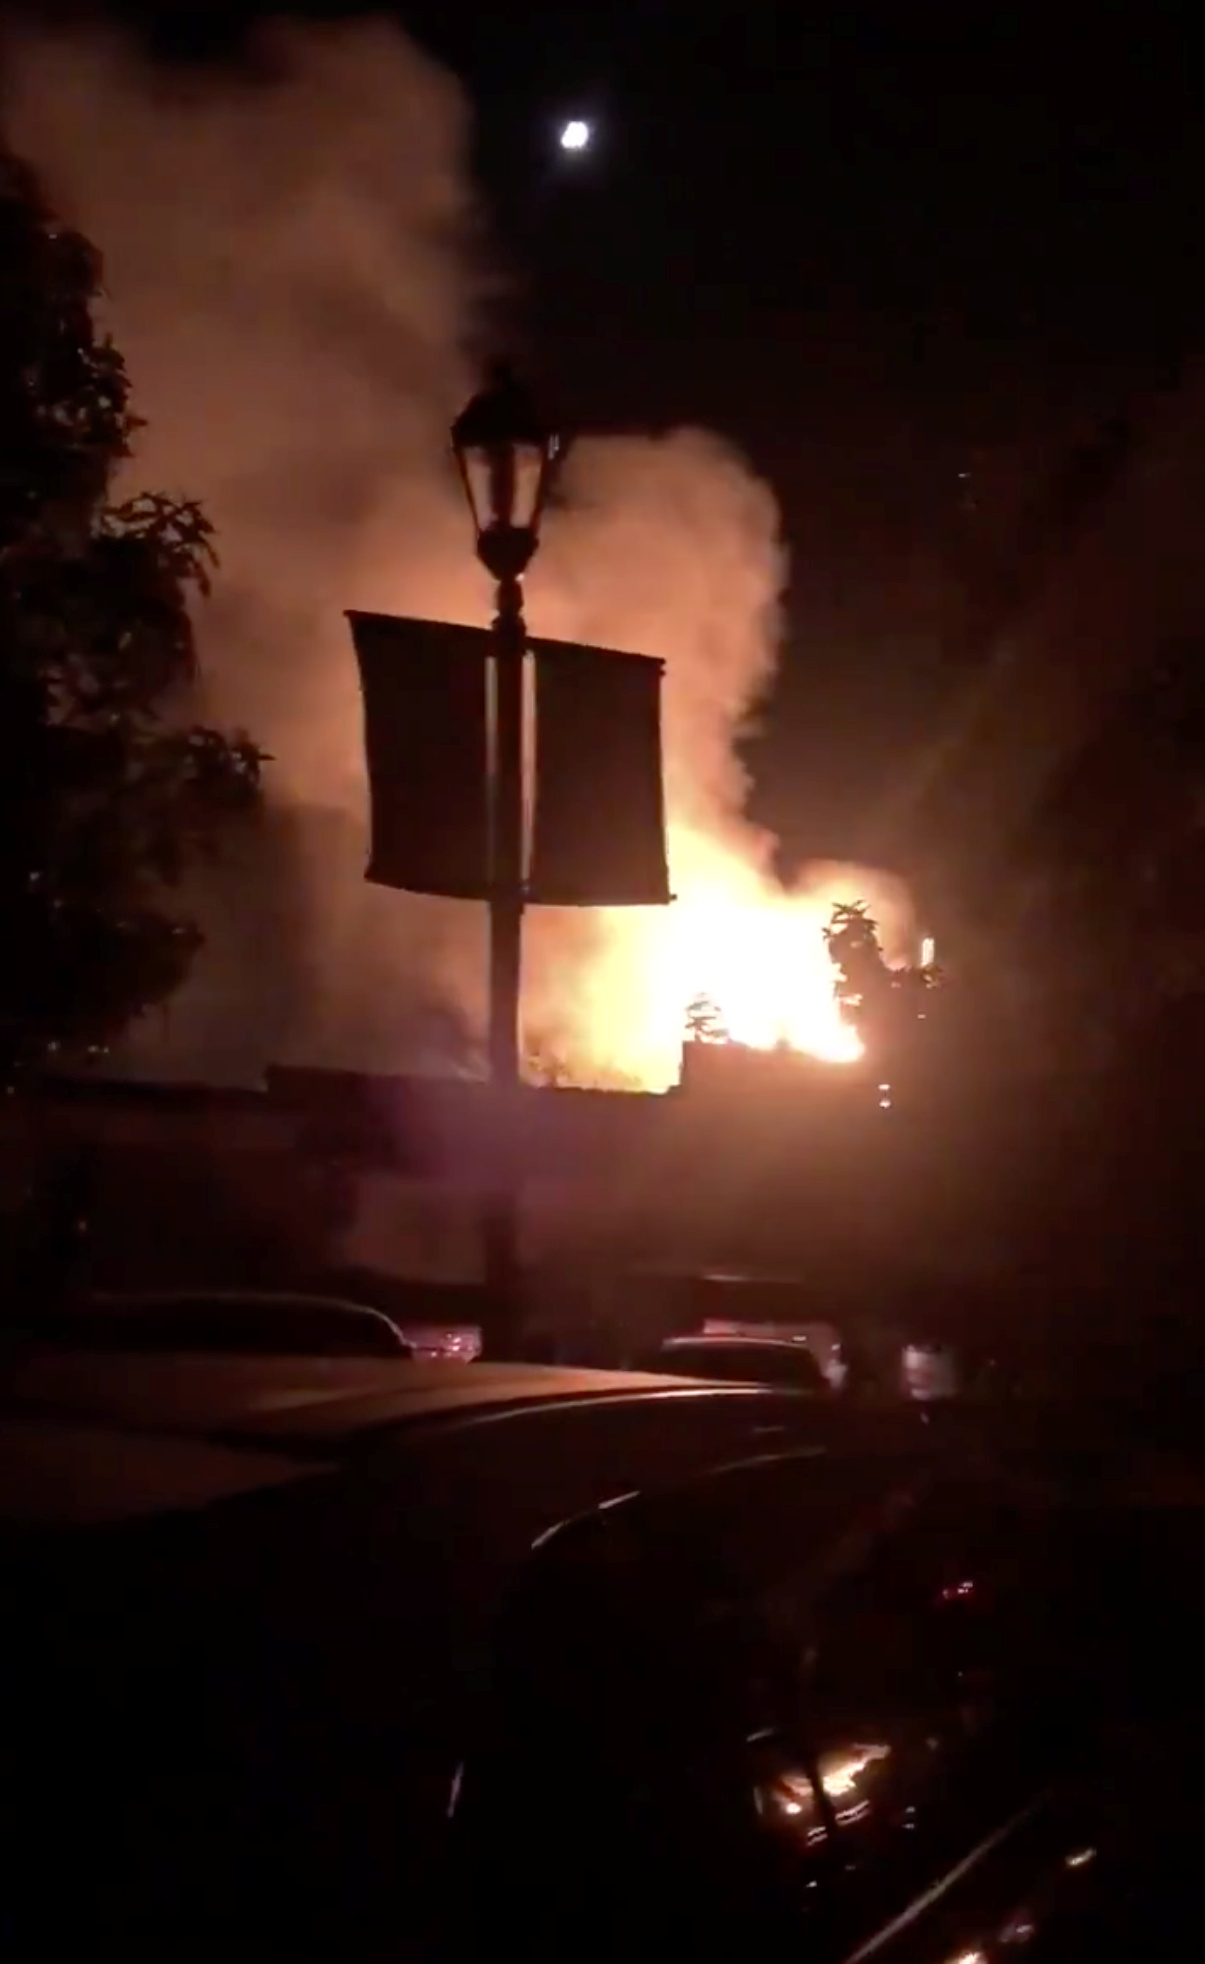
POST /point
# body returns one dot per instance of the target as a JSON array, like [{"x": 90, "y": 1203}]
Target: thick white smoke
[{"x": 293, "y": 274}]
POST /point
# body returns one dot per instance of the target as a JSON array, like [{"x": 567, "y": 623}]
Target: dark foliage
[
  {"x": 883, "y": 1004},
  {"x": 107, "y": 791}
]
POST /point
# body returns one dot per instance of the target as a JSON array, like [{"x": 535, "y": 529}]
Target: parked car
[
  {"x": 757, "y": 1360},
  {"x": 438, "y": 1319},
  {"x": 362, "y": 1658},
  {"x": 258, "y": 1322}
]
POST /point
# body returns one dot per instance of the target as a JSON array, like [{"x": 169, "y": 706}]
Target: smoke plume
[{"x": 294, "y": 275}]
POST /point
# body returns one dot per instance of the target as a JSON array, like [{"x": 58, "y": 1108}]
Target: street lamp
[{"x": 506, "y": 457}]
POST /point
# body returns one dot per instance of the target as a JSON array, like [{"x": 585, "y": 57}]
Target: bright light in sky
[{"x": 575, "y": 135}]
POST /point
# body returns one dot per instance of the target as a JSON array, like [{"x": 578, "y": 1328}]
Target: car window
[
  {"x": 796, "y": 1674},
  {"x": 816, "y": 1605},
  {"x": 757, "y": 1363},
  {"x": 795, "y": 1365},
  {"x": 665, "y": 1613},
  {"x": 951, "y": 1594},
  {"x": 643, "y": 1656}
]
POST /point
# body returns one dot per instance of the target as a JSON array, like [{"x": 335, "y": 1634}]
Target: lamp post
[{"x": 506, "y": 458}]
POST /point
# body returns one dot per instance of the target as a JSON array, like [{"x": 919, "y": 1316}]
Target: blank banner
[
  {"x": 424, "y": 689},
  {"x": 599, "y": 821}
]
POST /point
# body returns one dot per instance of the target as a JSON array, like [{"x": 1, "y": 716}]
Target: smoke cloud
[{"x": 294, "y": 268}]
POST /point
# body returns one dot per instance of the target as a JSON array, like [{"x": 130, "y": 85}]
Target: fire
[
  {"x": 733, "y": 935},
  {"x": 763, "y": 961}
]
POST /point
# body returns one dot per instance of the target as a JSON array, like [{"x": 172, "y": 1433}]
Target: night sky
[{"x": 904, "y": 257}]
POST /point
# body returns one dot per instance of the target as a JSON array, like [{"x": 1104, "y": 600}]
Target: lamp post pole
[
  {"x": 501, "y": 1223},
  {"x": 506, "y": 458}
]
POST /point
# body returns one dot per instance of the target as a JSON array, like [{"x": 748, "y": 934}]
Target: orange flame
[{"x": 732, "y": 935}]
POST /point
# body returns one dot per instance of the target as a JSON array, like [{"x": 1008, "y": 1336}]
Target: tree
[
  {"x": 705, "y": 1021},
  {"x": 884, "y": 1004},
  {"x": 107, "y": 790}
]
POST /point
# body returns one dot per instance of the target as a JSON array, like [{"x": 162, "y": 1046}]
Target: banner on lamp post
[
  {"x": 426, "y": 747},
  {"x": 598, "y": 835}
]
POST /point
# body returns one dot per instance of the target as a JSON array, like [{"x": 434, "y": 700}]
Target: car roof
[
  {"x": 301, "y": 1408},
  {"x": 71, "y": 1474},
  {"x": 283, "y": 1299},
  {"x": 220, "y": 1321},
  {"x": 723, "y": 1340}
]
